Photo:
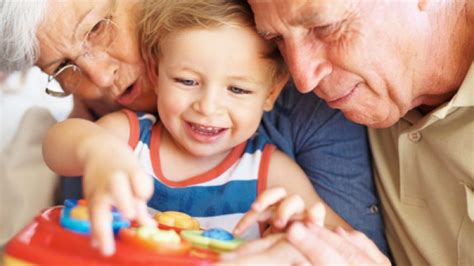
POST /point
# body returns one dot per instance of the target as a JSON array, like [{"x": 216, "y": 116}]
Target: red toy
[{"x": 46, "y": 241}]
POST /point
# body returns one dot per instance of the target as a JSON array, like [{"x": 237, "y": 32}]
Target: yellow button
[{"x": 177, "y": 219}]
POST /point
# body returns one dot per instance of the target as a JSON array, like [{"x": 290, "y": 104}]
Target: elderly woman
[{"x": 92, "y": 49}]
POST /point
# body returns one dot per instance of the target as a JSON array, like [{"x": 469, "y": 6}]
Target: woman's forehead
[{"x": 61, "y": 29}]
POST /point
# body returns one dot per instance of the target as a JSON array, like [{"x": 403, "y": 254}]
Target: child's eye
[
  {"x": 186, "y": 82},
  {"x": 237, "y": 90}
]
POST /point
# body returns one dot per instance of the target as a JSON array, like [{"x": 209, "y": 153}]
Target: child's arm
[
  {"x": 111, "y": 173},
  {"x": 289, "y": 192}
]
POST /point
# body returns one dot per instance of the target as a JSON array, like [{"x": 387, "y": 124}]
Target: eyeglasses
[{"x": 69, "y": 76}]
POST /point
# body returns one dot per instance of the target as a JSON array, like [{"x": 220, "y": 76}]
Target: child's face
[{"x": 213, "y": 86}]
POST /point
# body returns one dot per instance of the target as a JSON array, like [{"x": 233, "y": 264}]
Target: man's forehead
[{"x": 296, "y": 11}]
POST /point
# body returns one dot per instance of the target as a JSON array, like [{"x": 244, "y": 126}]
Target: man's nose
[
  {"x": 101, "y": 70},
  {"x": 306, "y": 60}
]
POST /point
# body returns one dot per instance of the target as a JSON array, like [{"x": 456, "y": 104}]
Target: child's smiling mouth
[{"x": 206, "y": 130}]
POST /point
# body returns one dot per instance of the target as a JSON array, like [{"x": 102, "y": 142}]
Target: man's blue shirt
[{"x": 333, "y": 152}]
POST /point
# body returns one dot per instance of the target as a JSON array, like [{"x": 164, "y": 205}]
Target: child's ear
[
  {"x": 152, "y": 70},
  {"x": 274, "y": 92}
]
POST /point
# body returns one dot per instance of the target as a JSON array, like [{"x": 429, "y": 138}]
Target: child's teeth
[{"x": 205, "y": 130}]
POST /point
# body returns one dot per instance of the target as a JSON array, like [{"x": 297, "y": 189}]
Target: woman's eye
[
  {"x": 237, "y": 90},
  {"x": 61, "y": 65},
  {"x": 98, "y": 29},
  {"x": 186, "y": 82}
]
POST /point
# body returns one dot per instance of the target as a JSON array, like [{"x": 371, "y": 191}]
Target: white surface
[{"x": 21, "y": 91}]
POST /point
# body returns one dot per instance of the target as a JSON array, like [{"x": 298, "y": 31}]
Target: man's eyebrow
[
  {"x": 264, "y": 34},
  {"x": 306, "y": 18}
]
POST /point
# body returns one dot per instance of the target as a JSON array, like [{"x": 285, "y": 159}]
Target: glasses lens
[
  {"x": 101, "y": 36},
  {"x": 69, "y": 79}
]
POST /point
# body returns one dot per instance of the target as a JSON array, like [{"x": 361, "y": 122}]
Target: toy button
[
  {"x": 177, "y": 219},
  {"x": 152, "y": 238},
  {"x": 218, "y": 233},
  {"x": 75, "y": 217},
  {"x": 202, "y": 239},
  {"x": 79, "y": 213}
]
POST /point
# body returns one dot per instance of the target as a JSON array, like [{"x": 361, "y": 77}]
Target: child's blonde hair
[{"x": 161, "y": 17}]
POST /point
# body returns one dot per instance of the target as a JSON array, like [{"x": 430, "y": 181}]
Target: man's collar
[{"x": 465, "y": 95}]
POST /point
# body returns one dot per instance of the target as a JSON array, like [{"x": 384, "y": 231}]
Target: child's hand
[
  {"x": 278, "y": 209},
  {"x": 113, "y": 177}
]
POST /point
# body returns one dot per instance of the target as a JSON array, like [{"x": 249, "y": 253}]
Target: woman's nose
[{"x": 101, "y": 70}]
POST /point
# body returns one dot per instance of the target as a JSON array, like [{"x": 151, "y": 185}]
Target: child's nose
[{"x": 209, "y": 104}]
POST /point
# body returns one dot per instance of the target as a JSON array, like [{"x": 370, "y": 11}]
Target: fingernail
[
  {"x": 108, "y": 250},
  {"x": 297, "y": 232}
]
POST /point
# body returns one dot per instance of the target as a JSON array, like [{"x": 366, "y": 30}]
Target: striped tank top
[{"x": 217, "y": 198}]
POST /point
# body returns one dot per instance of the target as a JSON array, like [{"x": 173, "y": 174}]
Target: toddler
[{"x": 214, "y": 77}]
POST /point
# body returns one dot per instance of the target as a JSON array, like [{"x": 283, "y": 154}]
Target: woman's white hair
[{"x": 19, "y": 21}]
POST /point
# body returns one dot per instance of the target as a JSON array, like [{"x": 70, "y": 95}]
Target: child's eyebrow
[{"x": 243, "y": 79}]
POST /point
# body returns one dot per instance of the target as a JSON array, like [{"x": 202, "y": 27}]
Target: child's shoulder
[{"x": 258, "y": 142}]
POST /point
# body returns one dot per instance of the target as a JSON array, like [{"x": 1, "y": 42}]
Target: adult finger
[
  {"x": 362, "y": 242},
  {"x": 323, "y": 246},
  {"x": 317, "y": 250},
  {"x": 252, "y": 247},
  {"x": 279, "y": 253},
  {"x": 101, "y": 223}
]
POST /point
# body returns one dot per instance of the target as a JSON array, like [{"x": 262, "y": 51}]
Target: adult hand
[
  {"x": 323, "y": 246},
  {"x": 273, "y": 249}
]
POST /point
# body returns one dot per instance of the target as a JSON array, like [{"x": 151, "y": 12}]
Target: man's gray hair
[{"x": 19, "y": 21}]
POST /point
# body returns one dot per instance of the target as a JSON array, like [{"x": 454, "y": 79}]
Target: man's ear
[
  {"x": 152, "y": 70},
  {"x": 274, "y": 92}
]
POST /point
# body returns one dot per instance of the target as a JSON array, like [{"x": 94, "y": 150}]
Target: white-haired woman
[{"x": 90, "y": 47}]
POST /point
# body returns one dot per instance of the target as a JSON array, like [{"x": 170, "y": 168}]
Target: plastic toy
[
  {"x": 75, "y": 217},
  {"x": 161, "y": 241},
  {"x": 57, "y": 236},
  {"x": 176, "y": 221},
  {"x": 216, "y": 239}
]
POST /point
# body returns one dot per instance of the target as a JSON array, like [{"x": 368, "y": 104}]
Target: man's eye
[
  {"x": 333, "y": 31},
  {"x": 186, "y": 82},
  {"x": 237, "y": 90},
  {"x": 324, "y": 29}
]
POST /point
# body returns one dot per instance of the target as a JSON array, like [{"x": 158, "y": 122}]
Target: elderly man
[
  {"x": 406, "y": 67},
  {"x": 92, "y": 48}
]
